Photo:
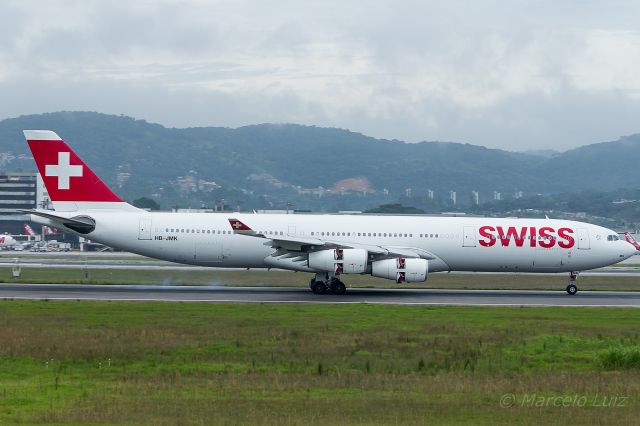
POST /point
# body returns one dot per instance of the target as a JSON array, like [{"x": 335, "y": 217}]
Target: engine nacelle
[
  {"x": 401, "y": 270},
  {"x": 340, "y": 261}
]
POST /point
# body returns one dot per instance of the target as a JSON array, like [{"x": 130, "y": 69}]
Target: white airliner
[
  {"x": 7, "y": 241},
  {"x": 401, "y": 248}
]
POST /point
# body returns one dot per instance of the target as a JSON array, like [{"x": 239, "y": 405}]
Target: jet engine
[
  {"x": 401, "y": 269},
  {"x": 339, "y": 260}
]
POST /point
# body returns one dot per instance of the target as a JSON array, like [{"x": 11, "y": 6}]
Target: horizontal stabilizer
[{"x": 81, "y": 224}]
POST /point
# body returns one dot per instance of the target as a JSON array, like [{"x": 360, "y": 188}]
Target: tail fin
[
  {"x": 631, "y": 240},
  {"x": 30, "y": 232},
  {"x": 71, "y": 184}
]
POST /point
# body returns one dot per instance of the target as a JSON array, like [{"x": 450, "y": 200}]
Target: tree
[
  {"x": 146, "y": 203},
  {"x": 395, "y": 208}
]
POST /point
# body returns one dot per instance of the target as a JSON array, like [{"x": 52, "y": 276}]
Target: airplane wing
[{"x": 298, "y": 244}]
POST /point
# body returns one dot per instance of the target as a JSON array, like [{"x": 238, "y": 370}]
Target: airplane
[
  {"x": 29, "y": 230},
  {"x": 7, "y": 241},
  {"x": 405, "y": 249},
  {"x": 632, "y": 241}
]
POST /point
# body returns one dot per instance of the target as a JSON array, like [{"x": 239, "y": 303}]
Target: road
[{"x": 303, "y": 295}]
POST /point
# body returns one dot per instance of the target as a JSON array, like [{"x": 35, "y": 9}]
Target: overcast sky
[{"x": 508, "y": 74}]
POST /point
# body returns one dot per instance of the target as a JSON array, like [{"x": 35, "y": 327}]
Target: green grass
[
  {"x": 293, "y": 279},
  {"x": 197, "y": 363},
  {"x": 620, "y": 357}
]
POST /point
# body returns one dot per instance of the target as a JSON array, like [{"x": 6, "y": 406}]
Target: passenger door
[
  {"x": 144, "y": 230},
  {"x": 469, "y": 236},
  {"x": 583, "y": 239}
]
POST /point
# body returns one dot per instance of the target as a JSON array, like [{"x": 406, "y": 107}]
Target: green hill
[{"x": 270, "y": 165}]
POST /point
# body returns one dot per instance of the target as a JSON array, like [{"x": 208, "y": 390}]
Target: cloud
[{"x": 517, "y": 75}]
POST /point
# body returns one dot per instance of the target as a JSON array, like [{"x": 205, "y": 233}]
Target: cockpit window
[{"x": 612, "y": 238}]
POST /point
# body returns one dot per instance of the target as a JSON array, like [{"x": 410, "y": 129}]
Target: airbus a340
[{"x": 400, "y": 248}]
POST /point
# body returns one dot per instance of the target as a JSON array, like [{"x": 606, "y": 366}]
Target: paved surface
[{"x": 303, "y": 295}]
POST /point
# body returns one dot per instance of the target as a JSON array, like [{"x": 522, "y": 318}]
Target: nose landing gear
[{"x": 572, "y": 289}]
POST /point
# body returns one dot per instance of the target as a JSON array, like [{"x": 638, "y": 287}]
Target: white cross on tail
[{"x": 63, "y": 170}]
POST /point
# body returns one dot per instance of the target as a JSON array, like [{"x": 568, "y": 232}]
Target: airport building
[{"x": 19, "y": 190}]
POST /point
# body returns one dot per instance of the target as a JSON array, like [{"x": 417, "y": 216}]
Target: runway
[
  {"x": 303, "y": 295},
  {"x": 127, "y": 261}
]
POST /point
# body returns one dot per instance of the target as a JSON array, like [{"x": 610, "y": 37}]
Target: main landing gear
[
  {"x": 572, "y": 288},
  {"x": 327, "y": 283}
]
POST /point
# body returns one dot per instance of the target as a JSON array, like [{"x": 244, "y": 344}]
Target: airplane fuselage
[{"x": 456, "y": 243}]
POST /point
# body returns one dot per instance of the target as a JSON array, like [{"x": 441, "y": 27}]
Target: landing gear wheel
[
  {"x": 572, "y": 288},
  {"x": 319, "y": 287},
  {"x": 311, "y": 283},
  {"x": 338, "y": 287}
]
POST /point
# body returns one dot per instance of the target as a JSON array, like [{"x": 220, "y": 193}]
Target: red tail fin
[
  {"x": 28, "y": 230},
  {"x": 631, "y": 240},
  {"x": 71, "y": 184}
]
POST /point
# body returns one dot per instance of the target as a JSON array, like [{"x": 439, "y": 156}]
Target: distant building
[
  {"x": 122, "y": 178},
  {"x": 20, "y": 191},
  {"x": 430, "y": 194},
  {"x": 454, "y": 197},
  {"x": 476, "y": 197},
  {"x": 497, "y": 196}
]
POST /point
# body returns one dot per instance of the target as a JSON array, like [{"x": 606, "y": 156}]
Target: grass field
[
  {"x": 291, "y": 279},
  {"x": 196, "y": 363}
]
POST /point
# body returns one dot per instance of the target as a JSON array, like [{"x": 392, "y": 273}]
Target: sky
[{"x": 518, "y": 75}]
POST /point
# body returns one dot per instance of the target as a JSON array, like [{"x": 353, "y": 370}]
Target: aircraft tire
[
  {"x": 338, "y": 287},
  {"x": 572, "y": 289},
  {"x": 319, "y": 287}
]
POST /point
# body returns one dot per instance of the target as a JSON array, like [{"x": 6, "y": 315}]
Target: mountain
[
  {"x": 272, "y": 165},
  {"x": 546, "y": 153}
]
